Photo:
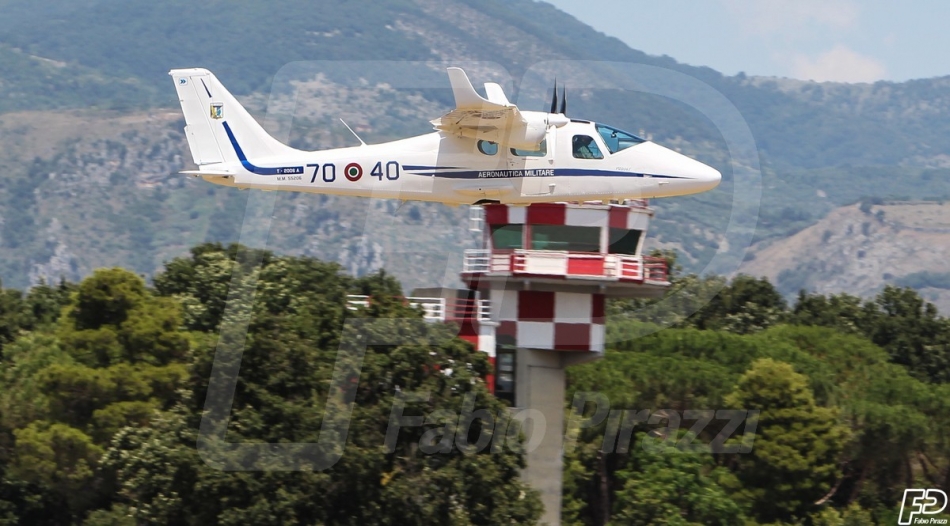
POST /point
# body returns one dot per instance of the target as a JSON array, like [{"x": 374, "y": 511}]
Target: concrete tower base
[{"x": 540, "y": 389}]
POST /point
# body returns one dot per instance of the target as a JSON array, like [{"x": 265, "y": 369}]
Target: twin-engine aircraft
[{"x": 485, "y": 150}]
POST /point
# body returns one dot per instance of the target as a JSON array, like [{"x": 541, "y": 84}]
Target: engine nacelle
[
  {"x": 529, "y": 135},
  {"x": 522, "y": 136}
]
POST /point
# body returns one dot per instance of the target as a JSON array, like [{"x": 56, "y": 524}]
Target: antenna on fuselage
[{"x": 353, "y": 132}]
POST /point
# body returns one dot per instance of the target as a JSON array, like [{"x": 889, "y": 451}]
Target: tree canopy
[{"x": 843, "y": 403}]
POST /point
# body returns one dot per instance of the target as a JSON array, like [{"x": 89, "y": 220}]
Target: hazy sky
[{"x": 840, "y": 40}]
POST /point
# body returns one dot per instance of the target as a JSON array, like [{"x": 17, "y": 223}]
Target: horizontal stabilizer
[{"x": 221, "y": 173}]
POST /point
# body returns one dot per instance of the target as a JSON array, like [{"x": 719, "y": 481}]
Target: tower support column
[{"x": 540, "y": 395}]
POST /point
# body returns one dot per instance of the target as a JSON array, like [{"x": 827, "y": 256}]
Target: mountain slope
[
  {"x": 860, "y": 248},
  {"x": 110, "y": 58},
  {"x": 796, "y": 124}
]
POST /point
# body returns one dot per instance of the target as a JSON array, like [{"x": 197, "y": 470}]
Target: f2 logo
[{"x": 921, "y": 502}]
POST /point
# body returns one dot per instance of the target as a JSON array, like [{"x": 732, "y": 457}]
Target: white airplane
[{"x": 485, "y": 150}]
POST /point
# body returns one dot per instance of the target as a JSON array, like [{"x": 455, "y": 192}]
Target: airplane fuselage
[{"x": 449, "y": 169}]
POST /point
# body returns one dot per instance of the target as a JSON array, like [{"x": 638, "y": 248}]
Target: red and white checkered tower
[{"x": 546, "y": 271}]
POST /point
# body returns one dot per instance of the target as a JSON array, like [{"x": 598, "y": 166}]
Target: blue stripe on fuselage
[
  {"x": 408, "y": 167},
  {"x": 558, "y": 172},
  {"x": 283, "y": 170}
]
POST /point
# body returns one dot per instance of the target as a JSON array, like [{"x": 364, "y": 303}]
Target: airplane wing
[{"x": 493, "y": 119}]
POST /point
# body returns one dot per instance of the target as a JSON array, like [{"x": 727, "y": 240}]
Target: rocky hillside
[
  {"x": 860, "y": 248},
  {"x": 81, "y": 196},
  {"x": 91, "y": 143}
]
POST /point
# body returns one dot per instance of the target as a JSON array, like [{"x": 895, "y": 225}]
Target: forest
[{"x": 103, "y": 385}]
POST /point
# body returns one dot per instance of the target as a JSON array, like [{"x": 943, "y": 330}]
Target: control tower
[
  {"x": 546, "y": 271},
  {"x": 535, "y": 303}
]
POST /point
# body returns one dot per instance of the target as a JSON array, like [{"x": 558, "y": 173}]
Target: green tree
[
  {"x": 58, "y": 456},
  {"x": 890, "y": 413},
  {"x": 106, "y": 298},
  {"x": 44, "y": 303},
  {"x": 114, "y": 319},
  {"x": 23, "y": 502},
  {"x": 675, "y": 487},
  {"x": 201, "y": 282},
  {"x": 11, "y": 315},
  {"x": 23, "y": 397},
  {"x": 128, "y": 355},
  {"x": 744, "y": 306},
  {"x": 115, "y": 358},
  {"x": 910, "y": 329},
  {"x": 674, "y": 369},
  {"x": 287, "y": 362},
  {"x": 843, "y": 311},
  {"x": 798, "y": 447}
]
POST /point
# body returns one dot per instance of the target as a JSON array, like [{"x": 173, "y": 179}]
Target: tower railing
[
  {"x": 435, "y": 309},
  {"x": 477, "y": 261},
  {"x": 565, "y": 263}
]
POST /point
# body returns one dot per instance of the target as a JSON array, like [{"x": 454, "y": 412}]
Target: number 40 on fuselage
[{"x": 484, "y": 150}]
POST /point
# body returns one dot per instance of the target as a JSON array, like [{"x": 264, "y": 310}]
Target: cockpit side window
[
  {"x": 584, "y": 147},
  {"x": 617, "y": 140}
]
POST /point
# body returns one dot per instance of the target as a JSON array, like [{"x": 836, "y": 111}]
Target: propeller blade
[
  {"x": 564, "y": 101},
  {"x": 554, "y": 98}
]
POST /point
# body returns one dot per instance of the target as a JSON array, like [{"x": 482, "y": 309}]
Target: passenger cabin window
[
  {"x": 507, "y": 236},
  {"x": 623, "y": 241},
  {"x": 488, "y": 147},
  {"x": 563, "y": 237},
  {"x": 617, "y": 140},
  {"x": 585, "y": 148},
  {"x": 542, "y": 151}
]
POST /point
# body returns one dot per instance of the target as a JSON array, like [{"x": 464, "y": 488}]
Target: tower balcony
[{"x": 621, "y": 275}]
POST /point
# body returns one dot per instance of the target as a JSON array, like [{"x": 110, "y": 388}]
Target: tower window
[
  {"x": 623, "y": 241},
  {"x": 507, "y": 236},
  {"x": 563, "y": 237}
]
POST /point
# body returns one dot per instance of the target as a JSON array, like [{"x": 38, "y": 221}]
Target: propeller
[
  {"x": 554, "y": 98},
  {"x": 564, "y": 101}
]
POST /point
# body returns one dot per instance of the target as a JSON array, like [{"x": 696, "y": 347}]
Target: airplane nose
[
  {"x": 675, "y": 173},
  {"x": 710, "y": 176},
  {"x": 701, "y": 176}
]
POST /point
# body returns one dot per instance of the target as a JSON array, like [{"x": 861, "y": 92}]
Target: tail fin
[{"x": 218, "y": 128}]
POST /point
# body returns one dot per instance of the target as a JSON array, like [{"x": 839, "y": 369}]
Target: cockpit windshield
[{"x": 617, "y": 140}]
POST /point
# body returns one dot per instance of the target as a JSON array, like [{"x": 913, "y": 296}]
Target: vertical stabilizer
[{"x": 218, "y": 128}]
